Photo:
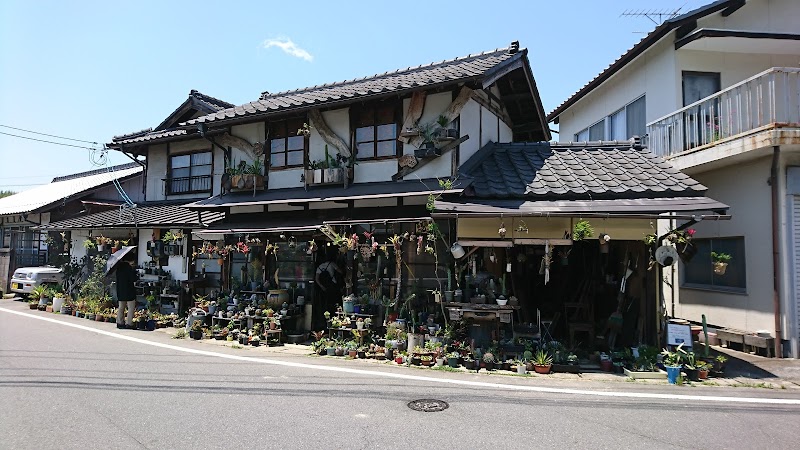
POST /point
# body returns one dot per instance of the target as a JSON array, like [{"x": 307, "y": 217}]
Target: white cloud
[{"x": 288, "y": 47}]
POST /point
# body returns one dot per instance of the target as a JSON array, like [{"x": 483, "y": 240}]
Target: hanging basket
[
  {"x": 686, "y": 251},
  {"x": 720, "y": 267}
]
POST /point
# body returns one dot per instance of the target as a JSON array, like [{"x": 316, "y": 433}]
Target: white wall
[
  {"x": 652, "y": 73},
  {"x": 745, "y": 190},
  {"x": 658, "y": 71}
]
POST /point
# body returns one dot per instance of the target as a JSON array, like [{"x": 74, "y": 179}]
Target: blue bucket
[
  {"x": 673, "y": 373},
  {"x": 348, "y": 306}
]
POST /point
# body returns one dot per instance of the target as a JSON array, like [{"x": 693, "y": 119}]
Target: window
[
  {"x": 376, "y": 131},
  {"x": 622, "y": 125},
  {"x": 699, "y": 272},
  {"x": 287, "y": 149},
  {"x": 190, "y": 173}
]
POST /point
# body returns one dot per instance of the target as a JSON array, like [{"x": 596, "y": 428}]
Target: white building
[{"x": 716, "y": 92}]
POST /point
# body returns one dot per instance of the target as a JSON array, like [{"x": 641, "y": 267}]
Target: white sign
[{"x": 679, "y": 334}]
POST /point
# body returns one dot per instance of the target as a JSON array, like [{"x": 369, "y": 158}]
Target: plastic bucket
[{"x": 672, "y": 374}]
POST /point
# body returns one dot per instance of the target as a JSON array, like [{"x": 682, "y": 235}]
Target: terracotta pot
[
  {"x": 542, "y": 369},
  {"x": 352, "y": 353},
  {"x": 702, "y": 374}
]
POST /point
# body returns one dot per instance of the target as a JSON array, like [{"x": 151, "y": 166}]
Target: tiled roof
[
  {"x": 62, "y": 188},
  {"x": 411, "y": 78},
  {"x": 145, "y": 215},
  {"x": 640, "y": 47},
  {"x": 149, "y": 136},
  {"x": 583, "y": 170},
  {"x": 197, "y": 100}
]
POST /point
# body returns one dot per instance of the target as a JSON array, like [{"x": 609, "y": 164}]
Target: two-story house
[
  {"x": 179, "y": 172},
  {"x": 715, "y": 92}
]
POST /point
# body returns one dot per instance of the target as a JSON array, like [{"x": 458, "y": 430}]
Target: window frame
[
  {"x": 169, "y": 190},
  {"x": 740, "y": 260},
  {"x": 285, "y": 121},
  {"x": 608, "y": 125},
  {"x": 355, "y": 113}
]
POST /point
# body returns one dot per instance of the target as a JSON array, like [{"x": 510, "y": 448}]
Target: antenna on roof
[{"x": 657, "y": 16}]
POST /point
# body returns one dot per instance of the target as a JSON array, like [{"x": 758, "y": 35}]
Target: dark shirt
[{"x": 126, "y": 277}]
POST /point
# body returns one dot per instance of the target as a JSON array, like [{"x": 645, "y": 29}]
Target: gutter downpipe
[{"x": 776, "y": 300}]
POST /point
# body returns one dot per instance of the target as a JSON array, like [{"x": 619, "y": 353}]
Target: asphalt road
[{"x": 65, "y": 387}]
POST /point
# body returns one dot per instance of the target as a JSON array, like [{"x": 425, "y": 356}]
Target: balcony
[
  {"x": 187, "y": 185},
  {"x": 767, "y": 101}
]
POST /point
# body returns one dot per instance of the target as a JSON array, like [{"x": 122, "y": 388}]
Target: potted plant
[
  {"x": 672, "y": 362},
  {"x": 521, "y": 370},
  {"x": 332, "y": 169},
  {"x": 445, "y": 131},
  {"x": 427, "y": 147},
  {"x": 718, "y": 365},
  {"x": 452, "y": 359},
  {"x": 720, "y": 262},
  {"x": 196, "y": 332},
  {"x": 488, "y": 360},
  {"x": 702, "y": 369},
  {"x": 542, "y": 362},
  {"x": 582, "y": 230}
]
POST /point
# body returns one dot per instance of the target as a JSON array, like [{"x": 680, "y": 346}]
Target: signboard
[{"x": 679, "y": 334}]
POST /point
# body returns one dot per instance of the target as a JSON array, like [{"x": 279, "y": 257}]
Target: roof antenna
[{"x": 657, "y": 16}]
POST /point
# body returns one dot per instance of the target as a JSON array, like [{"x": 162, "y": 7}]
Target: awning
[
  {"x": 357, "y": 191},
  {"x": 682, "y": 207},
  {"x": 299, "y": 221}
]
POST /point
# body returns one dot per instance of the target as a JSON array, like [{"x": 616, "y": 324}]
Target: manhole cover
[{"x": 428, "y": 405}]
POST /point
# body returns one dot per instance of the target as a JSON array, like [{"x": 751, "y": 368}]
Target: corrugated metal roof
[
  {"x": 574, "y": 171},
  {"x": 145, "y": 215},
  {"x": 63, "y": 188},
  {"x": 411, "y": 78}
]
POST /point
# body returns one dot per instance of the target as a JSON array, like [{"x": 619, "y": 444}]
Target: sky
[{"x": 90, "y": 70}]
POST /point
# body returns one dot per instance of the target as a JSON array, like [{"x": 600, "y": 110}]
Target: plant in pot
[
  {"x": 445, "y": 131},
  {"x": 389, "y": 350},
  {"x": 720, "y": 262},
  {"x": 426, "y": 360},
  {"x": 542, "y": 362},
  {"x": 488, "y": 360},
  {"x": 196, "y": 332},
  {"x": 703, "y": 368},
  {"x": 690, "y": 366},
  {"x": 427, "y": 147},
  {"x": 719, "y": 365},
  {"x": 520, "y": 364},
  {"x": 255, "y": 340},
  {"x": 582, "y": 230},
  {"x": 453, "y": 358},
  {"x": 672, "y": 362}
]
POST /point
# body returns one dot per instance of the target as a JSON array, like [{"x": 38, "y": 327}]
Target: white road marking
[{"x": 640, "y": 395}]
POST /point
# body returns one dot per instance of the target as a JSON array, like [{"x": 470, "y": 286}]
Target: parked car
[{"x": 26, "y": 278}]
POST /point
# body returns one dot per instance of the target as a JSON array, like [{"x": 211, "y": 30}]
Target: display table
[{"x": 481, "y": 311}]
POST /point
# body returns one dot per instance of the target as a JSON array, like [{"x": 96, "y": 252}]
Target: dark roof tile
[{"x": 573, "y": 171}]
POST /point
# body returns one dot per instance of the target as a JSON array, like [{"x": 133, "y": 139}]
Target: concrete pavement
[{"x": 67, "y": 387}]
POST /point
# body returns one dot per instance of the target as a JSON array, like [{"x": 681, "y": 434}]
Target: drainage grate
[{"x": 428, "y": 405}]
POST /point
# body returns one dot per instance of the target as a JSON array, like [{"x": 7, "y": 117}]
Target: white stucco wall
[
  {"x": 745, "y": 190},
  {"x": 776, "y": 16}
]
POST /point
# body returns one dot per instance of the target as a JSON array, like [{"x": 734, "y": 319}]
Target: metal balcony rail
[
  {"x": 768, "y": 100},
  {"x": 185, "y": 185}
]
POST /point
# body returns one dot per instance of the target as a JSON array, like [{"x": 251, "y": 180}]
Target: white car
[{"x": 26, "y": 278}]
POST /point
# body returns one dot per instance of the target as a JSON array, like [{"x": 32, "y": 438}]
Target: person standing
[
  {"x": 327, "y": 281},
  {"x": 126, "y": 291}
]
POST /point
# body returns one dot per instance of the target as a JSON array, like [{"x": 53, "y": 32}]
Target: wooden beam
[
  {"x": 255, "y": 150},
  {"x": 407, "y": 170},
  {"x": 452, "y": 111},
  {"x": 413, "y": 114},
  {"x": 319, "y": 124},
  {"x": 483, "y": 99}
]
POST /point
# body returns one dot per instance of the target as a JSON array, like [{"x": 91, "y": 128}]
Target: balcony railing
[
  {"x": 187, "y": 185},
  {"x": 767, "y": 100}
]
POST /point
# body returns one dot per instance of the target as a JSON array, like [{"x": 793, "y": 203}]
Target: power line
[
  {"x": 50, "y": 135},
  {"x": 48, "y": 142}
]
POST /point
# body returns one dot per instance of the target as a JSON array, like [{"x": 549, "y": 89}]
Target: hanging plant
[
  {"x": 502, "y": 230},
  {"x": 720, "y": 262},
  {"x": 582, "y": 230}
]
